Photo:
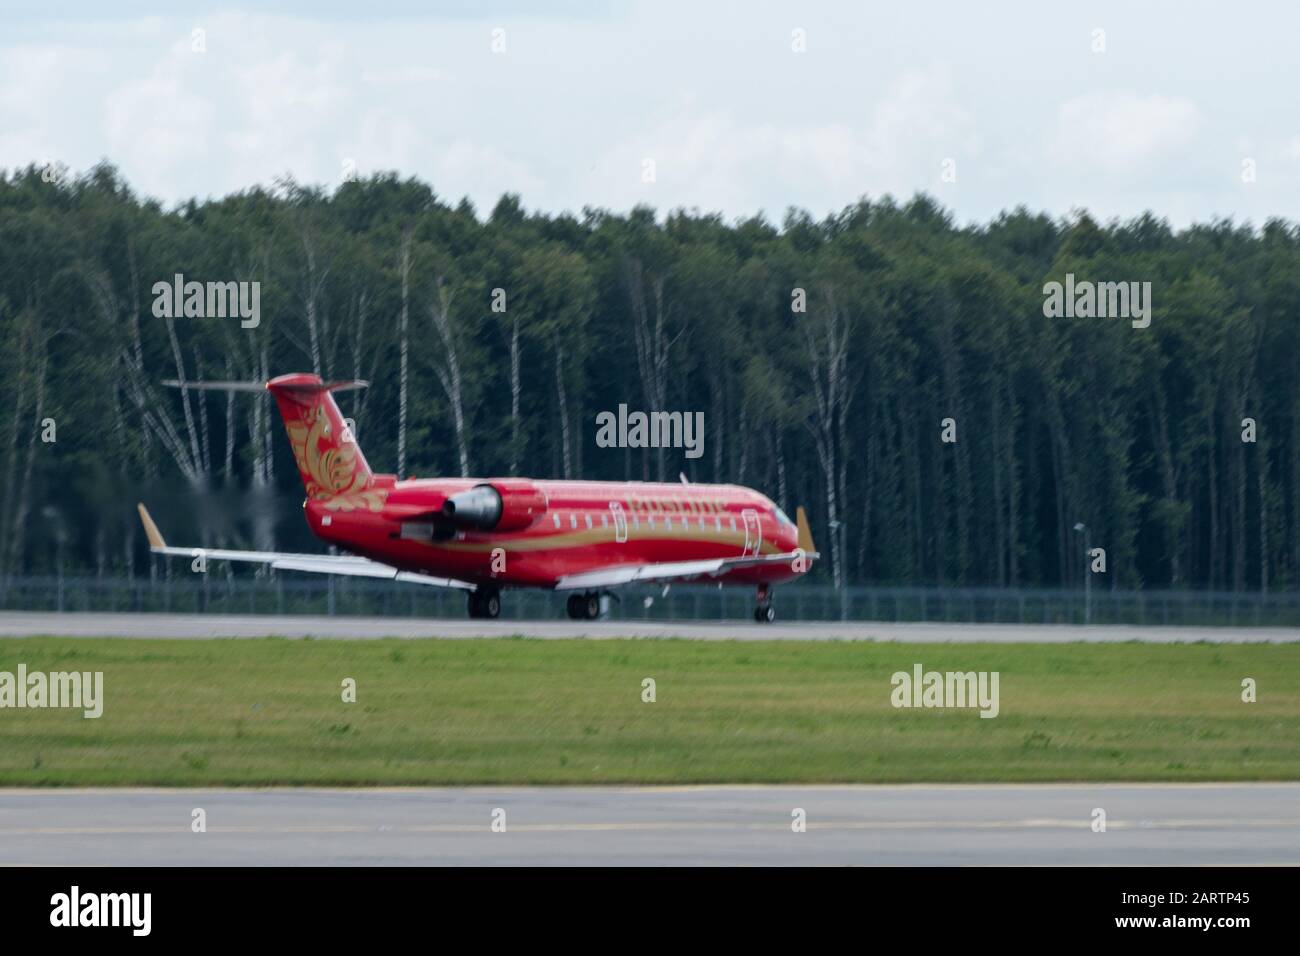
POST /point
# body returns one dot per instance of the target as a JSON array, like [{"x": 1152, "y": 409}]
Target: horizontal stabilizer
[
  {"x": 217, "y": 386},
  {"x": 345, "y": 385}
]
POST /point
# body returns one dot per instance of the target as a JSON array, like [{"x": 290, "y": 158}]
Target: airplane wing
[
  {"x": 312, "y": 563},
  {"x": 672, "y": 570}
]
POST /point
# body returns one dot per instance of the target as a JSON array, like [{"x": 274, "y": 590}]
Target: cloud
[
  {"x": 44, "y": 112},
  {"x": 159, "y": 126},
  {"x": 1119, "y": 133},
  {"x": 734, "y": 119},
  {"x": 714, "y": 159},
  {"x": 481, "y": 172}
]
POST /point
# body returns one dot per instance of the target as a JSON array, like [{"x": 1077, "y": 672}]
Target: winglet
[
  {"x": 805, "y": 533},
  {"x": 150, "y": 529}
]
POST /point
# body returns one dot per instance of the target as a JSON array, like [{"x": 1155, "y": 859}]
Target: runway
[
  {"x": 1005, "y": 825},
  {"x": 25, "y": 623}
]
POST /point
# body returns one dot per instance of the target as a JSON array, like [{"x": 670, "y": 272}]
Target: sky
[{"x": 1189, "y": 110}]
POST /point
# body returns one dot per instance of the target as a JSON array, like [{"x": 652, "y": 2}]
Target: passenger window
[
  {"x": 573, "y": 521},
  {"x": 588, "y": 521},
  {"x": 556, "y": 519}
]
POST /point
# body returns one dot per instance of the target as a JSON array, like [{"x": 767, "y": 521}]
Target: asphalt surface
[
  {"x": 1146, "y": 824},
  {"x": 24, "y": 623}
]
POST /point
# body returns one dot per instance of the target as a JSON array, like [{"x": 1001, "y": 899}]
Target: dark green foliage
[{"x": 1135, "y": 432}]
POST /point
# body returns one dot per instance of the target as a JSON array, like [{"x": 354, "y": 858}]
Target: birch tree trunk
[
  {"x": 448, "y": 371},
  {"x": 403, "y": 353},
  {"x": 360, "y": 398},
  {"x": 826, "y": 346},
  {"x": 515, "y": 392},
  {"x": 228, "y": 468},
  {"x": 260, "y": 425},
  {"x": 18, "y": 529},
  {"x": 781, "y": 489},
  {"x": 205, "y": 459},
  {"x": 562, "y": 399},
  {"x": 650, "y": 338},
  {"x": 25, "y": 340},
  {"x": 311, "y": 300},
  {"x": 1013, "y": 490}
]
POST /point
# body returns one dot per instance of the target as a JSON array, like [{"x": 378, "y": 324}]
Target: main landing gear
[
  {"x": 584, "y": 607},
  {"x": 764, "y": 613},
  {"x": 485, "y": 602}
]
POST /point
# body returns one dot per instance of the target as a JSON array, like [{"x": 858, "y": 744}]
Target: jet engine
[{"x": 504, "y": 505}]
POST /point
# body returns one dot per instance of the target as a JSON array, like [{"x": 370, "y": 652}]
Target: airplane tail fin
[
  {"x": 324, "y": 448},
  {"x": 329, "y": 460}
]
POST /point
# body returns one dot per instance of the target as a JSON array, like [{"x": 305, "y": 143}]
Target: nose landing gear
[{"x": 764, "y": 613}]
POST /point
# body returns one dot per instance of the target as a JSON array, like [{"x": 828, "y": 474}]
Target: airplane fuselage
[{"x": 559, "y": 529}]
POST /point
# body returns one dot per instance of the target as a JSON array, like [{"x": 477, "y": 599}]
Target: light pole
[
  {"x": 837, "y": 543},
  {"x": 52, "y": 515},
  {"x": 1087, "y": 574}
]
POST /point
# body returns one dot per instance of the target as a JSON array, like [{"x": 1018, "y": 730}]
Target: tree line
[{"x": 888, "y": 368}]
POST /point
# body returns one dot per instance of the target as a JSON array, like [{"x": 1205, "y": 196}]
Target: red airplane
[{"x": 484, "y": 535}]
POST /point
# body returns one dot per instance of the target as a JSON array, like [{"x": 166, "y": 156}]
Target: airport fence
[{"x": 282, "y": 594}]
